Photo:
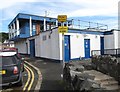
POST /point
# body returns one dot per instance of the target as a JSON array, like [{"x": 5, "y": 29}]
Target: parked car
[
  {"x": 12, "y": 49},
  {"x": 10, "y": 69}
]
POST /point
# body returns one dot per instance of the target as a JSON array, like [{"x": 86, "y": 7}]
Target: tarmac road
[{"x": 51, "y": 73}]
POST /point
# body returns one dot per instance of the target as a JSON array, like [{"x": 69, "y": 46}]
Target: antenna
[{"x": 46, "y": 13}]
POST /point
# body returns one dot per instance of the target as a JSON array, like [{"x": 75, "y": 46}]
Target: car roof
[{"x": 7, "y": 53}]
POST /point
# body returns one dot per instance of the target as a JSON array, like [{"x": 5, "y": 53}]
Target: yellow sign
[
  {"x": 62, "y": 29},
  {"x": 2, "y": 72},
  {"x": 62, "y": 18}
]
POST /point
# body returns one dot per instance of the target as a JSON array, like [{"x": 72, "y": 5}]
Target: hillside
[{"x": 3, "y": 36}]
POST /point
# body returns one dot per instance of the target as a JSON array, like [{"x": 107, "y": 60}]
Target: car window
[{"x": 8, "y": 60}]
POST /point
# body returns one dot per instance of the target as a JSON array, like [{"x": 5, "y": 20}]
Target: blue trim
[
  {"x": 13, "y": 20},
  {"x": 75, "y": 59},
  {"x": 108, "y": 32},
  {"x": 67, "y": 48},
  {"x": 102, "y": 45},
  {"x": 34, "y": 17},
  {"x": 32, "y": 47},
  {"x": 87, "y": 48},
  {"x": 85, "y": 32}
]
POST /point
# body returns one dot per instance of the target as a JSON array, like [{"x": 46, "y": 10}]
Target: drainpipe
[{"x": 30, "y": 26}]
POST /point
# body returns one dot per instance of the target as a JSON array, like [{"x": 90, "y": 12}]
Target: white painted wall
[
  {"x": 112, "y": 41},
  {"x": 77, "y": 44},
  {"x": 109, "y": 41},
  {"x": 115, "y": 33},
  {"x": 60, "y": 46},
  {"x": 48, "y": 48},
  {"x": 118, "y": 39},
  {"x": 21, "y": 45},
  {"x": 37, "y": 46}
]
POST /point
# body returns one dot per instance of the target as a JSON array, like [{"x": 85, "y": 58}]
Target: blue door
[
  {"x": 87, "y": 48},
  {"x": 32, "y": 48},
  {"x": 67, "y": 48},
  {"x": 102, "y": 45}
]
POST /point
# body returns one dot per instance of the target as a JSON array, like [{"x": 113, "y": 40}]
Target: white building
[{"x": 38, "y": 36}]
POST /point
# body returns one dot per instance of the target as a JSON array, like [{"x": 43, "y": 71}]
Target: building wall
[
  {"x": 109, "y": 41},
  {"x": 46, "y": 45},
  {"x": 21, "y": 45},
  {"x": 115, "y": 33},
  {"x": 112, "y": 40},
  {"x": 118, "y": 39},
  {"x": 49, "y": 47},
  {"x": 77, "y": 44}
]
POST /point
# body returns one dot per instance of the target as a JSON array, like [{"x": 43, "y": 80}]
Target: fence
[
  {"x": 81, "y": 24},
  {"x": 112, "y": 52}
]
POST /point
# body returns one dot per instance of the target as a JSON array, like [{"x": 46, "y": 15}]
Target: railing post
[{"x": 116, "y": 53}]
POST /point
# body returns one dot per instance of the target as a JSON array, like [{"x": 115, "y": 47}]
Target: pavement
[{"x": 51, "y": 73}]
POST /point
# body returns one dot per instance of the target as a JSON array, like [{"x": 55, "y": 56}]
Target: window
[{"x": 8, "y": 60}]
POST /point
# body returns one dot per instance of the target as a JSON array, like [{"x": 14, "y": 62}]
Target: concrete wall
[{"x": 21, "y": 45}]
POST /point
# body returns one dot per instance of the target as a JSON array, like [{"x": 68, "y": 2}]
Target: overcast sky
[{"x": 101, "y": 11}]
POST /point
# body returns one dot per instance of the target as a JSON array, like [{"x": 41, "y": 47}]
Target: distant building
[
  {"x": 8, "y": 43},
  {"x": 38, "y": 36}
]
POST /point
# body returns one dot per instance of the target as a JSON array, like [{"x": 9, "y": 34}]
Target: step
[
  {"x": 99, "y": 76},
  {"x": 109, "y": 83},
  {"x": 112, "y": 87},
  {"x": 100, "y": 80},
  {"x": 106, "y": 81}
]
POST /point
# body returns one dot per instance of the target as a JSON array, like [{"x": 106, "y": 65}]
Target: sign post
[{"x": 62, "y": 29}]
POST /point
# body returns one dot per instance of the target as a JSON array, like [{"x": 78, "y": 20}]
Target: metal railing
[
  {"x": 92, "y": 26},
  {"x": 112, "y": 52}
]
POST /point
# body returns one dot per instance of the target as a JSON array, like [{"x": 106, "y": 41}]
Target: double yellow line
[{"x": 30, "y": 79}]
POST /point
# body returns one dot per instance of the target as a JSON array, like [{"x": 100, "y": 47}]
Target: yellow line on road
[
  {"x": 31, "y": 80},
  {"x": 27, "y": 79}
]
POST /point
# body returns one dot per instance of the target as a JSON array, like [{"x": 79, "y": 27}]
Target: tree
[{"x": 3, "y": 36}]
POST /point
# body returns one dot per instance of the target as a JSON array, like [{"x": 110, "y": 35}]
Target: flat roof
[{"x": 27, "y": 16}]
